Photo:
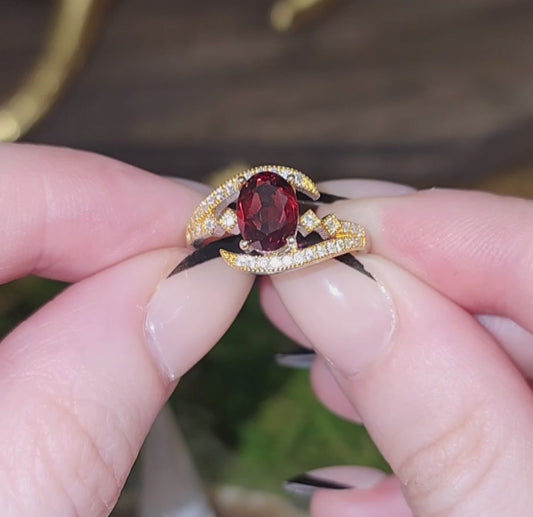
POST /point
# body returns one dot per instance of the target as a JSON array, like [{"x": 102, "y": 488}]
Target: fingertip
[
  {"x": 277, "y": 313},
  {"x": 94, "y": 212},
  {"x": 330, "y": 393},
  {"x": 357, "y": 477},
  {"x": 190, "y": 310},
  {"x": 383, "y": 499},
  {"x": 426, "y": 390},
  {"x": 338, "y": 308},
  {"x": 81, "y": 374}
]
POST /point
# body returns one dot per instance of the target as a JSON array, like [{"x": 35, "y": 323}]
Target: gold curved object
[
  {"x": 70, "y": 37},
  {"x": 287, "y": 15}
]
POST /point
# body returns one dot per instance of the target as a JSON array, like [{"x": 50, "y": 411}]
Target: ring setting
[{"x": 261, "y": 205}]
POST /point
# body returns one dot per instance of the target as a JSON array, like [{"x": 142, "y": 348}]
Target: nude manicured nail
[
  {"x": 347, "y": 316},
  {"x": 299, "y": 359},
  {"x": 190, "y": 311},
  {"x": 306, "y": 484},
  {"x": 334, "y": 478},
  {"x": 361, "y": 188}
]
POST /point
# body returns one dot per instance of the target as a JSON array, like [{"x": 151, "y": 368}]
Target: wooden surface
[{"x": 416, "y": 91}]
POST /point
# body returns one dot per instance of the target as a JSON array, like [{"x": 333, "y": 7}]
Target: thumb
[
  {"x": 443, "y": 403},
  {"x": 82, "y": 380}
]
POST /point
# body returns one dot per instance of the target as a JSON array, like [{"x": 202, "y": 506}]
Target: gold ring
[{"x": 261, "y": 205}]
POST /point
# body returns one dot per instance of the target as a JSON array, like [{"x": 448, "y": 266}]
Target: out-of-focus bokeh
[{"x": 426, "y": 93}]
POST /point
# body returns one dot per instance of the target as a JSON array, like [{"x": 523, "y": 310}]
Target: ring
[{"x": 277, "y": 232}]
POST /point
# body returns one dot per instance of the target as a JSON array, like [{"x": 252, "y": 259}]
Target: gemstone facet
[{"x": 267, "y": 211}]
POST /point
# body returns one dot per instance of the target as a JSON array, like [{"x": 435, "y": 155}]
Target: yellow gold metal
[
  {"x": 69, "y": 40},
  {"x": 219, "y": 176},
  {"x": 294, "y": 258},
  {"x": 214, "y": 218},
  {"x": 291, "y": 14}
]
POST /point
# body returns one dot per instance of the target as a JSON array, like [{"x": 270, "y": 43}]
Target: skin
[
  {"x": 434, "y": 358},
  {"x": 83, "y": 379},
  {"x": 443, "y": 391}
]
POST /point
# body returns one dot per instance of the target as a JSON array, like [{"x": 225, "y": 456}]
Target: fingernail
[
  {"x": 300, "y": 358},
  {"x": 364, "y": 188},
  {"x": 347, "y": 316},
  {"x": 335, "y": 478},
  {"x": 306, "y": 484},
  {"x": 190, "y": 311}
]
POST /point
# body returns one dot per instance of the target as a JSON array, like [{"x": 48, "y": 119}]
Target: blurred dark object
[{"x": 414, "y": 91}]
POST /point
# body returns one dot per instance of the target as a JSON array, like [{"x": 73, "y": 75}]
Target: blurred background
[{"x": 425, "y": 93}]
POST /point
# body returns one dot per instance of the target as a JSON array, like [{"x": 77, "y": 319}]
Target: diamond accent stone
[
  {"x": 331, "y": 224},
  {"x": 310, "y": 221},
  {"x": 241, "y": 260},
  {"x": 262, "y": 263},
  {"x": 275, "y": 262},
  {"x": 210, "y": 225},
  {"x": 299, "y": 258},
  {"x": 287, "y": 260},
  {"x": 228, "y": 220},
  {"x": 310, "y": 253}
]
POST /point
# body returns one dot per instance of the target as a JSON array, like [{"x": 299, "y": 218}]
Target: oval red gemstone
[{"x": 267, "y": 211}]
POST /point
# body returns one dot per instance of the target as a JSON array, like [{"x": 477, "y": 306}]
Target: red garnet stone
[{"x": 267, "y": 211}]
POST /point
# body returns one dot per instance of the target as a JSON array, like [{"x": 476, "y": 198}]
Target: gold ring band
[{"x": 270, "y": 193}]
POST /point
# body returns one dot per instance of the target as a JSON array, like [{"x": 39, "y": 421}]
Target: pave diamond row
[
  {"x": 297, "y": 258},
  {"x": 208, "y": 218}
]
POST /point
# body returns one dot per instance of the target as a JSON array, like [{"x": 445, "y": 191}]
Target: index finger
[
  {"x": 67, "y": 214},
  {"x": 474, "y": 247}
]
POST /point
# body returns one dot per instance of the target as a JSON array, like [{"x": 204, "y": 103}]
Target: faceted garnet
[{"x": 267, "y": 211}]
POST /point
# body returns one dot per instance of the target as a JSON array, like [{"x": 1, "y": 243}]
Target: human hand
[
  {"x": 434, "y": 358},
  {"x": 82, "y": 380}
]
